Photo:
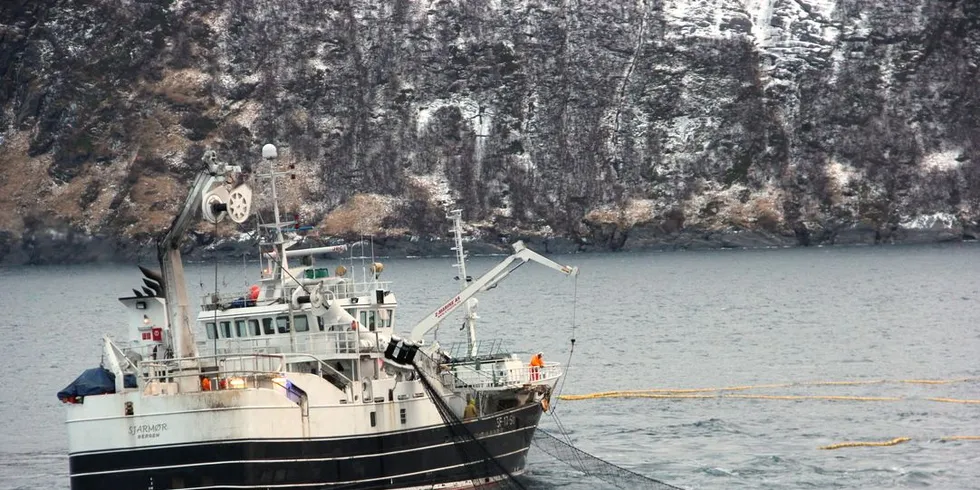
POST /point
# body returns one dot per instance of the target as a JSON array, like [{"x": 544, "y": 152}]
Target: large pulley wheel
[{"x": 238, "y": 206}]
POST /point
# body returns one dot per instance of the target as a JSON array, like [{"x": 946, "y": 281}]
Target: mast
[
  {"x": 270, "y": 154},
  {"x": 464, "y": 280}
]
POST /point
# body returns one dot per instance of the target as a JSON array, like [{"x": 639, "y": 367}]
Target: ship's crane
[
  {"x": 215, "y": 195},
  {"x": 521, "y": 255}
]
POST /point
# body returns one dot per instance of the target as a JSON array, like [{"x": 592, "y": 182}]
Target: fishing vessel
[{"x": 300, "y": 381}]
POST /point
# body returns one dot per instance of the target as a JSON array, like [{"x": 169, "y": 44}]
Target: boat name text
[{"x": 147, "y": 431}]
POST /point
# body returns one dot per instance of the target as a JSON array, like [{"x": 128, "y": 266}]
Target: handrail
[
  {"x": 323, "y": 364},
  {"x": 327, "y": 342},
  {"x": 464, "y": 376},
  {"x": 343, "y": 289}
]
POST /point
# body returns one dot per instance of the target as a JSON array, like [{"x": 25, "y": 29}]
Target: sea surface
[{"x": 681, "y": 320}]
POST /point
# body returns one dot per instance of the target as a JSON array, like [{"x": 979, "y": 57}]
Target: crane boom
[
  {"x": 210, "y": 194},
  {"x": 521, "y": 254}
]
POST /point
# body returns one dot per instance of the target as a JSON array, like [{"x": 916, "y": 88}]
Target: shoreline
[{"x": 63, "y": 247}]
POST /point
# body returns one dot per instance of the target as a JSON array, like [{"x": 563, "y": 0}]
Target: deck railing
[
  {"x": 489, "y": 376},
  {"x": 334, "y": 289},
  {"x": 223, "y": 372},
  {"x": 320, "y": 343}
]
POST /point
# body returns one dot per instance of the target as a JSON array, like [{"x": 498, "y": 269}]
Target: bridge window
[
  {"x": 253, "y": 328},
  {"x": 302, "y": 323},
  {"x": 385, "y": 316},
  {"x": 282, "y": 324},
  {"x": 225, "y": 330},
  {"x": 211, "y": 330},
  {"x": 369, "y": 319},
  {"x": 240, "y": 328},
  {"x": 267, "y": 326}
]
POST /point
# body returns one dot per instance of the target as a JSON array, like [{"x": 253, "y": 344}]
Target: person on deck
[
  {"x": 470, "y": 411},
  {"x": 537, "y": 362}
]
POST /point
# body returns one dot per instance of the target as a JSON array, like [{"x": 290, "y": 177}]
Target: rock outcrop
[{"x": 609, "y": 125}]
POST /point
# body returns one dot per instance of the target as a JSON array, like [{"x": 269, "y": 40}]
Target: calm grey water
[{"x": 642, "y": 321}]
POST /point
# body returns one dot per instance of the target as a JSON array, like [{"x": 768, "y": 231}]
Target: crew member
[
  {"x": 205, "y": 383},
  {"x": 537, "y": 362},
  {"x": 470, "y": 411}
]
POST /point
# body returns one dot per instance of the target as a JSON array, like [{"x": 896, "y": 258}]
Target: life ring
[{"x": 544, "y": 404}]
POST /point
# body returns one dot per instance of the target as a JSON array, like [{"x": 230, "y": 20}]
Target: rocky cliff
[{"x": 613, "y": 124}]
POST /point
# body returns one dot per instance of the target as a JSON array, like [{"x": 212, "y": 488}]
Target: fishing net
[
  {"x": 481, "y": 466},
  {"x": 486, "y": 471},
  {"x": 593, "y": 466}
]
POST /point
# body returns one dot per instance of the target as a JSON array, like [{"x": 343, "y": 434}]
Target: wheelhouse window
[
  {"x": 211, "y": 330},
  {"x": 302, "y": 323},
  {"x": 369, "y": 320},
  {"x": 282, "y": 324},
  {"x": 385, "y": 317},
  {"x": 225, "y": 329},
  {"x": 267, "y": 326},
  {"x": 240, "y": 328},
  {"x": 253, "y": 328}
]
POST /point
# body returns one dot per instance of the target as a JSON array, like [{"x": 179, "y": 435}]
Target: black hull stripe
[
  {"x": 355, "y": 482},
  {"x": 300, "y": 460},
  {"x": 418, "y": 472}
]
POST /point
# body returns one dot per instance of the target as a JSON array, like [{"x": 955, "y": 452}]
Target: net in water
[{"x": 593, "y": 466}]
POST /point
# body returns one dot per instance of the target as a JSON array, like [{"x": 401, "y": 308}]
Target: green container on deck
[{"x": 316, "y": 273}]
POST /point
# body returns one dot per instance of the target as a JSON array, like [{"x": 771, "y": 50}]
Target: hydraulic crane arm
[
  {"x": 521, "y": 256},
  {"x": 215, "y": 199}
]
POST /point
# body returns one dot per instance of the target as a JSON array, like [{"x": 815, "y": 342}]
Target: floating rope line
[
  {"x": 685, "y": 392},
  {"x": 960, "y": 438},
  {"x": 953, "y": 400},
  {"x": 665, "y": 396},
  {"x": 893, "y": 442},
  {"x": 818, "y": 397}
]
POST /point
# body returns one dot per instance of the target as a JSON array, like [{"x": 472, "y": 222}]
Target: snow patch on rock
[
  {"x": 943, "y": 221},
  {"x": 438, "y": 188},
  {"x": 942, "y": 160}
]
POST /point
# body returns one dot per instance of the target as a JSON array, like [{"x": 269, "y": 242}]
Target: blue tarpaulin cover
[{"x": 95, "y": 381}]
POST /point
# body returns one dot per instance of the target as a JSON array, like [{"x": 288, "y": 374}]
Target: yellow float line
[
  {"x": 952, "y": 400},
  {"x": 664, "y": 396},
  {"x": 960, "y": 438},
  {"x": 818, "y": 397},
  {"x": 897, "y": 440},
  {"x": 679, "y": 391}
]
